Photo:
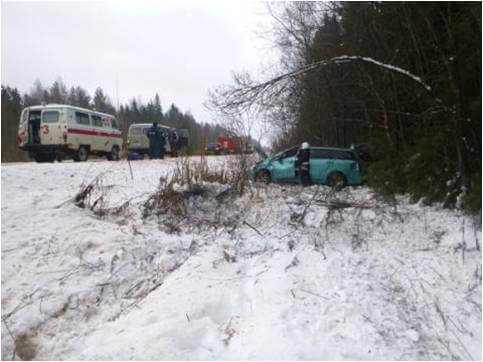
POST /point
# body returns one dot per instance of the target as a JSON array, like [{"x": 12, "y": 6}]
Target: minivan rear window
[
  {"x": 136, "y": 131},
  {"x": 50, "y": 117}
]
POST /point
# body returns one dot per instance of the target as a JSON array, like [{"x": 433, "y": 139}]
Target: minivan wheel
[
  {"x": 82, "y": 154},
  {"x": 114, "y": 154},
  {"x": 336, "y": 180},
  {"x": 263, "y": 176}
]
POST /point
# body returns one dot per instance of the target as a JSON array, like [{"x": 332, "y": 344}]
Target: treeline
[
  {"x": 426, "y": 142},
  {"x": 134, "y": 112},
  {"x": 404, "y": 78}
]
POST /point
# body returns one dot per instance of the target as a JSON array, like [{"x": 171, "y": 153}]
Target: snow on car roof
[
  {"x": 143, "y": 125},
  {"x": 55, "y": 106}
]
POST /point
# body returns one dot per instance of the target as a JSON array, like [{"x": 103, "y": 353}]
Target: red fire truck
[{"x": 229, "y": 145}]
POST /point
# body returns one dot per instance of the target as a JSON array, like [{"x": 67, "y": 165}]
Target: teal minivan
[{"x": 328, "y": 166}]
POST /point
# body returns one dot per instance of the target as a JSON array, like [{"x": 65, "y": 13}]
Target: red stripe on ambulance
[{"x": 92, "y": 133}]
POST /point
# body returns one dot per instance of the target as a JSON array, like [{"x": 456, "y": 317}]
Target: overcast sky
[{"x": 179, "y": 49}]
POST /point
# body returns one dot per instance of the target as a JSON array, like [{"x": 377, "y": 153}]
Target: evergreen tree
[
  {"x": 101, "y": 102},
  {"x": 11, "y": 109},
  {"x": 58, "y": 92},
  {"x": 79, "y": 97}
]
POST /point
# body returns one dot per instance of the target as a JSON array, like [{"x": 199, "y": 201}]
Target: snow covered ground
[{"x": 282, "y": 272}]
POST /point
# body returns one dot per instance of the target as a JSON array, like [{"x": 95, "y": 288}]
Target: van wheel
[
  {"x": 336, "y": 180},
  {"x": 44, "y": 157},
  {"x": 114, "y": 154},
  {"x": 82, "y": 154}
]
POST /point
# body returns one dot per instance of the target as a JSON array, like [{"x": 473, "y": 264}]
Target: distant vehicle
[
  {"x": 137, "y": 139},
  {"x": 54, "y": 131},
  {"x": 249, "y": 148},
  {"x": 328, "y": 166},
  {"x": 213, "y": 148},
  {"x": 229, "y": 145}
]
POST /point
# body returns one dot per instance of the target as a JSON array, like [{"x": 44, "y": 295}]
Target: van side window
[
  {"x": 114, "y": 123},
  {"x": 50, "y": 117},
  {"x": 343, "y": 155},
  {"x": 332, "y": 154},
  {"x": 82, "y": 118},
  {"x": 321, "y": 154},
  {"x": 136, "y": 131},
  {"x": 290, "y": 153},
  {"x": 96, "y": 121}
]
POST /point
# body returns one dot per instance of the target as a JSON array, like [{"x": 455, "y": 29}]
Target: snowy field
[{"x": 282, "y": 272}]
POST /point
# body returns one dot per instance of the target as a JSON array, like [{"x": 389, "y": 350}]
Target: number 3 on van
[{"x": 46, "y": 128}]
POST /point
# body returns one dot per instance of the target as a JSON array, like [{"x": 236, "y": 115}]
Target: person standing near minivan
[
  {"x": 162, "y": 142},
  {"x": 302, "y": 165},
  {"x": 173, "y": 143},
  {"x": 154, "y": 136}
]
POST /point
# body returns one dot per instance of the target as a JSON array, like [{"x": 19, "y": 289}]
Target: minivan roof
[
  {"x": 141, "y": 125},
  {"x": 55, "y": 106},
  {"x": 331, "y": 148}
]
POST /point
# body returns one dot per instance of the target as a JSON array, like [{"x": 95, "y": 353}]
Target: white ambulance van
[{"x": 55, "y": 131}]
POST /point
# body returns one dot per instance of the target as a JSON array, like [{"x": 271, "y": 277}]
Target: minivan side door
[{"x": 319, "y": 164}]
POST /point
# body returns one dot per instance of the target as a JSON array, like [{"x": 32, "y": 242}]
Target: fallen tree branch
[
  {"x": 252, "y": 227},
  {"x": 340, "y": 204}
]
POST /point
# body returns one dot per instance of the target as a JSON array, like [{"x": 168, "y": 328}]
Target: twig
[
  {"x": 130, "y": 169},
  {"x": 252, "y": 227},
  {"x": 295, "y": 262},
  {"x": 13, "y": 338},
  {"x": 302, "y": 216},
  {"x": 63, "y": 203},
  {"x": 314, "y": 294},
  {"x": 463, "y": 346},
  {"x": 13, "y": 249},
  {"x": 21, "y": 305}
]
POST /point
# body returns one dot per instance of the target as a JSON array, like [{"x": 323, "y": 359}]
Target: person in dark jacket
[
  {"x": 154, "y": 135},
  {"x": 302, "y": 165},
  {"x": 162, "y": 143},
  {"x": 173, "y": 142}
]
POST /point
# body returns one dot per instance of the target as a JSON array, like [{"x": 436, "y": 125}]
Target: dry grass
[
  {"x": 25, "y": 347},
  {"x": 189, "y": 172},
  {"x": 192, "y": 177}
]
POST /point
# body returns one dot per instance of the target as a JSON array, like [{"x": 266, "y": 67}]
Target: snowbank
[{"x": 280, "y": 273}]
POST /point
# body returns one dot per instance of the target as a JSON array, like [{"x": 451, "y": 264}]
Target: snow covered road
[{"x": 279, "y": 273}]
